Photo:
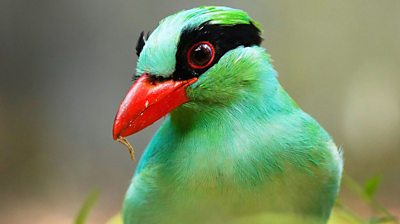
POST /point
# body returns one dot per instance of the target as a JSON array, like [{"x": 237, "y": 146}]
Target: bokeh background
[{"x": 65, "y": 66}]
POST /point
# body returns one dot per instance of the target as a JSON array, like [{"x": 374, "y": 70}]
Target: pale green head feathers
[
  {"x": 158, "y": 55},
  {"x": 240, "y": 66}
]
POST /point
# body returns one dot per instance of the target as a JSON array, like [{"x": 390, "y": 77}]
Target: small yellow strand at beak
[{"x": 128, "y": 145}]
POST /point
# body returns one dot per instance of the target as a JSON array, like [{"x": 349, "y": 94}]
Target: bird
[{"x": 234, "y": 146}]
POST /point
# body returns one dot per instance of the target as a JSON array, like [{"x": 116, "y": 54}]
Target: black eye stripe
[{"x": 222, "y": 37}]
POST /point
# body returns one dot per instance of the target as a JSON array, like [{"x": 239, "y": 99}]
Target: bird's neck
[
  {"x": 248, "y": 110},
  {"x": 226, "y": 139}
]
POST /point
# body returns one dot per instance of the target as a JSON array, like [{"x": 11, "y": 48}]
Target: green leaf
[
  {"x": 87, "y": 207},
  {"x": 371, "y": 186}
]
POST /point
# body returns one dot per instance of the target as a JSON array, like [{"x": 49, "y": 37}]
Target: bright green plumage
[
  {"x": 159, "y": 53},
  {"x": 240, "y": 151}
]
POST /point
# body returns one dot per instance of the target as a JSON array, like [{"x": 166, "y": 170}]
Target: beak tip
[
  {"x": 116, "y": 133},
  {"x": 115, "y": 137},
  {"x": 147, "y": 102}
]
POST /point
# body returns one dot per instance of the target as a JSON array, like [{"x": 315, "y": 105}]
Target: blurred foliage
[
  {"x": 366, "y": 193},
  {"x": 87, "y": 207},
  {"x": 371, "y": 186},
  {"x": 116, "y": 219}
]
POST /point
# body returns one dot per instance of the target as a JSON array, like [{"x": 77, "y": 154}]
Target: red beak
[{"x": 148, "y": 101}]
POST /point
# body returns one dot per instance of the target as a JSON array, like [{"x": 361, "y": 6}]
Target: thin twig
[{"x": 125, "y": 142}]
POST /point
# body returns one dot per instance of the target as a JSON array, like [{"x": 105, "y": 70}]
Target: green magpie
[{"x": 235, "y": 147}]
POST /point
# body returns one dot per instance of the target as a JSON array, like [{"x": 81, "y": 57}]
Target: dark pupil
[{"x": 201, "y": 55}]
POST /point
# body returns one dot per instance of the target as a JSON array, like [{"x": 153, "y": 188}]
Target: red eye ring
[{"x": 208, "y": 61}]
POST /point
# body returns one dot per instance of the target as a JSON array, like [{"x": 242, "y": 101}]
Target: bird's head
[{"x": 202, "y": 57}]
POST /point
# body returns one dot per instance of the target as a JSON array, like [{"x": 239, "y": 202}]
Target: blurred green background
[{"x": 65, "y": 66}]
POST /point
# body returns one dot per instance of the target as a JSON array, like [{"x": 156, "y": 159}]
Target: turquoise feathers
[
  {"x": 240, "y": 150},
  {"x": 159, "y": 53}
]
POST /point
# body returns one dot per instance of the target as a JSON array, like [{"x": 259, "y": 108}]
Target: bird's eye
[{"x": 200, "y": 55}]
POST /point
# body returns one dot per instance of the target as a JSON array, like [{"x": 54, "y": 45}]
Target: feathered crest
[{"x": 141, "y": 42}]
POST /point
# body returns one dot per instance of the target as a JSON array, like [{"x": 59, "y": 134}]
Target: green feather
[
  {"x": 158, "y": 54},
  {"x": 240, "y": 151}
]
